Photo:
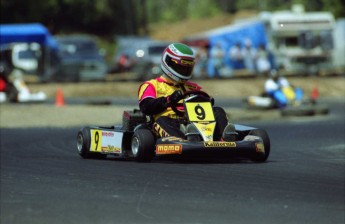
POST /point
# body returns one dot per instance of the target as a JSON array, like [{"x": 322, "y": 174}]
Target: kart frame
[{"x": 135, "y": 139}]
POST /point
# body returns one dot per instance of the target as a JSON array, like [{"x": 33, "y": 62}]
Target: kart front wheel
[
  {"x": 83, "y": 145},
  {"x": 143, "y": 144},
  {"x": 261, "y": 157}
]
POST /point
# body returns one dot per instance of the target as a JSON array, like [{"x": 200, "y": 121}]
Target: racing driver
[{"x": 157, "y": 95}]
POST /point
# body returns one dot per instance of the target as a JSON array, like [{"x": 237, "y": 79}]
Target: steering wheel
[{"x": 198, "y": 95}]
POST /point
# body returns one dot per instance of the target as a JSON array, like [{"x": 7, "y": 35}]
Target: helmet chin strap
[
  {"x": 170, "y": 79},
  {"x": 175, "y": 83}
]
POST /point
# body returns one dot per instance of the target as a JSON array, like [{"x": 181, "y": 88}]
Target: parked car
[
  {"x": 80, "y": 59},
  {"x": 139, "y": 55}
]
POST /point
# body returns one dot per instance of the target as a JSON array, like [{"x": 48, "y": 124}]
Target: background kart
[
  {"x": 305, "y": 107},
  {"x": 135, "y": 139}
]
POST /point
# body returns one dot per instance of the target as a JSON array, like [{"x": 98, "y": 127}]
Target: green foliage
[
  {"x": 202, "y": 9},
  {"x": 107, "y": 18},
  {"x": 337, "y": 7},
  {"x": 173, "y": 15},
  {"x": 162, "y": 11}
]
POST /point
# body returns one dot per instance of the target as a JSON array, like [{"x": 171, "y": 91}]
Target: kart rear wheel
[
  {"x": 143, "y": 144},
  {"x": 83, "y": 145},
  {"x": 321, "y": 110},
  {"x": 297, "y": 111},
  {"x": 259, "y": 157}
]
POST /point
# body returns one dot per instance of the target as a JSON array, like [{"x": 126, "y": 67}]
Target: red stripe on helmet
[
  {"x": 171, "y": 52},
  {"x": 180, "y": 56}
]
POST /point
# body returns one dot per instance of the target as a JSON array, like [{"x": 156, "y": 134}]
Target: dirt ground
[
  {"x": 241, "y": 87},
  {"x": 49, "y": 115}
]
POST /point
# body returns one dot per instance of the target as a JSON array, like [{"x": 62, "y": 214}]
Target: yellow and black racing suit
[{"x": 153, "y": 101}]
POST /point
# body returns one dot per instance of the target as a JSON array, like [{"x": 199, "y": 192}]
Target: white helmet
[{"x": 178, "y": 62}]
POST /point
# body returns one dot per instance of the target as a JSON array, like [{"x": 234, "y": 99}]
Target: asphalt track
[{"x": 43, "y": 180}]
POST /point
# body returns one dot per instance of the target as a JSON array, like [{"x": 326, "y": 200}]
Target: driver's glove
[{"x": 175, "y": 97}]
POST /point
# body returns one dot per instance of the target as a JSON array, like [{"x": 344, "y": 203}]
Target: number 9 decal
[
  {"x": 96, "y": 139},
  {"x": 200, "y": 112}
]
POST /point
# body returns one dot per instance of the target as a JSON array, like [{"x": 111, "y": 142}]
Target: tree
[{"x": 113, "y": 17}]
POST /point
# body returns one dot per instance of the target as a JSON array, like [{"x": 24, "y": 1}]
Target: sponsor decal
[
  {"x": 220, "y": 144},
  {"x": 105, "y": 141},
  {"x": 111, "y": 149},
  {"x": 260, "y": 147},
  {"x": 174, "y": 60},
  {"x": 162, "y": 149},
  {"x": 187, "y": 62},
  {"x": 206, "y": 129},
  {"x": 106, "y": 133},
  {"x": 173, "y": 138}
]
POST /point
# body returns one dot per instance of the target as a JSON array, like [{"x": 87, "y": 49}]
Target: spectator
[
  {"x": 14, "y": 89},
  {"x": 217, "y": 57},
  {"x": 236, "y": 56},
  {"x": 3, "y": 88},
  {"x": 263, "y": 64},
  {"x": 249, "y": 55},
  {"x": 124, "y": 64},
  {"x": 200, "y": 63},
  {"x": 8, "y": 91}
]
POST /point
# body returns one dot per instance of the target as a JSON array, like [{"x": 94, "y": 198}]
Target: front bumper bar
[{"x": 229, "y": 149}]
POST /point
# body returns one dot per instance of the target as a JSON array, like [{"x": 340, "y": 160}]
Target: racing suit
[
  {"x": 282, "y": 92},
  {"x": 153, "y": 101}
]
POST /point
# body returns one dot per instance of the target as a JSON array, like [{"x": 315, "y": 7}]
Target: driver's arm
[
  {"x": 152, "y": 106},
  {"x": 149, "y": 104}
]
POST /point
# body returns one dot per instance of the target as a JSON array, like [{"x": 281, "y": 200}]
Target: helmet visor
[{"x": 183, "y": 67}]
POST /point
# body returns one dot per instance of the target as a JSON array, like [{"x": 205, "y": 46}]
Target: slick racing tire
[
  {"x": 297, "y": 111},
  {"x": 321, "y": 110},
  {"x": 143, "y": 145},
  {"x": 306, "y": 110},
  {"x": 83, "y": 145},
  {"x": 259, "y": 157}
]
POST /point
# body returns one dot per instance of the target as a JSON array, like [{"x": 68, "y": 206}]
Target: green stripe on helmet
[{"x": 184, "y": 49}]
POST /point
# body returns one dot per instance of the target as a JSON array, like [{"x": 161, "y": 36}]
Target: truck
[
  {"x": 339, "y": 47},
  {"x": 300, "y": 42}
]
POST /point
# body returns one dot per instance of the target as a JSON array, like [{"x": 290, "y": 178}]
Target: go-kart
[
  {"x": 135, "y": 138},
  {"x": 297, "y": 104}
]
